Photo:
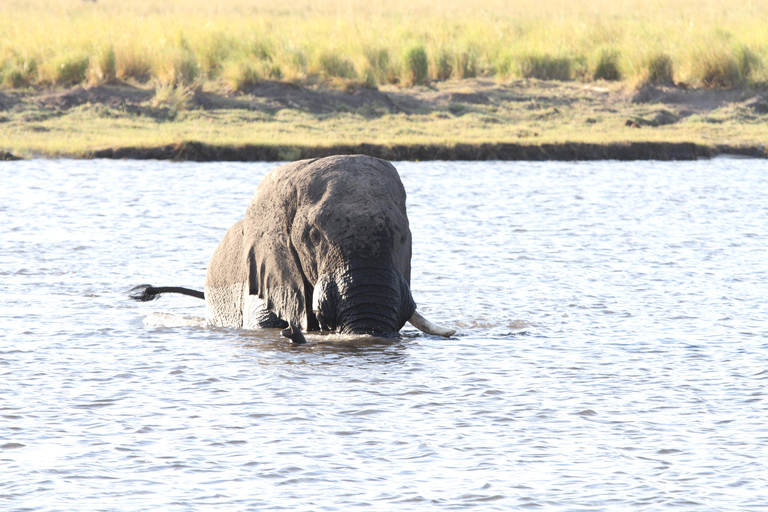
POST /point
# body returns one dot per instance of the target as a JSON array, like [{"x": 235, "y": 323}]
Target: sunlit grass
[{"x": 236, "y": 43}]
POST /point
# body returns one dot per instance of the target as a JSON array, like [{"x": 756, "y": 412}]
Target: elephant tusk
[{"x": 428, "y": 327}]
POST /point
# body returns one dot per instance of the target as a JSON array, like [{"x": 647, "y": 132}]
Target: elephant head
[{"x": 325, "y": 244}]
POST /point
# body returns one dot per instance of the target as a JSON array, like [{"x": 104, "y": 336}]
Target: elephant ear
[
  {"x": 275, "y": 274},
  {"x": 276, "y": 278}
]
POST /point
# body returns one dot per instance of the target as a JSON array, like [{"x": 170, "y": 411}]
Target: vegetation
[
  {"x": 307, "y": 74},
  {"x": 237, "y": 43}
]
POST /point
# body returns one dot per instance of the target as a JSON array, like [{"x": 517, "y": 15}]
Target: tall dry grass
[{"x": 236, "y": 43}]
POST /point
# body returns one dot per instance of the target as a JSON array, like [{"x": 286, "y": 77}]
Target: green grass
[
  {"x": 658, "y": 70},
  {"x": 416, "y": 66},
  {"x": 64, "y": 137},
  {"x": 710, "y": 43},
  {"x": 546, "y": 67},
  {"x": 606, "y": 66}
]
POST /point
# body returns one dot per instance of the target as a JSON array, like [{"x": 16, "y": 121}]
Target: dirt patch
[
  {"x": 440, "y": 96},
  {"x": 282, "y": 95},
  {"x": 450, "y": 96},
  {"x": 463, "y": 97},
  {"x": 113, "y": 96},
  {"x": 697, "y": 101},
  {"x": 662, "y": 117},
  {"x": 207, "y": 101},
  {"x": 7, "y": 102},
  {"x": 758, "y": 104}
]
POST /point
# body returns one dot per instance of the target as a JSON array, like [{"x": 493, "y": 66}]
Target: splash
[{"x": 171, "y": 320}]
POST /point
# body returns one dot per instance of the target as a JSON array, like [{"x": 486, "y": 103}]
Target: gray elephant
[{"x": 324, "y": 245}]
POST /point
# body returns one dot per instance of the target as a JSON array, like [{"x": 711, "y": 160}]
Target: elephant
[{"x": 324, "y": 245}]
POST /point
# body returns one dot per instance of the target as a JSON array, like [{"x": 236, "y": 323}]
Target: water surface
[{"x": 611, "y": 348}]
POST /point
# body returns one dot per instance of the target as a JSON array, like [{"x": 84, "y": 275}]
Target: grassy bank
[
  {"x": 447, "y": 118},
  {"x": 235, "y": 44}
]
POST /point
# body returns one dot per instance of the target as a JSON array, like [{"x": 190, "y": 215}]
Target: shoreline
[{"x": 201, "y": 152}]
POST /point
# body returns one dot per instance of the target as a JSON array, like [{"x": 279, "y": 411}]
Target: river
[{"x": 611, "y": 351}]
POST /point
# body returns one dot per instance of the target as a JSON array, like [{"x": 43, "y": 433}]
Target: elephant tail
[{"x": 147, "y": 292}]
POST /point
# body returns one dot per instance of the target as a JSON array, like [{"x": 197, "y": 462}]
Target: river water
[{"x": 612, "y": 347}]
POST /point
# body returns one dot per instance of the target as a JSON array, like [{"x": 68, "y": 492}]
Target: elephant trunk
[
  {"x": 363, "y": 301},
  {"x": 373, "y": 311}
]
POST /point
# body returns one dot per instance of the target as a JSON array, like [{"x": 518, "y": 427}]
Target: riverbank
[{"x": 471, "y": 119}]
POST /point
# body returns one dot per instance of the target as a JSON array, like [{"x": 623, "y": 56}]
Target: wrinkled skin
[{"x": 325, "y": 244}]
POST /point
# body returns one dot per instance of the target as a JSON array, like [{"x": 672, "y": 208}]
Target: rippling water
[{"x": 611, "y": 353}]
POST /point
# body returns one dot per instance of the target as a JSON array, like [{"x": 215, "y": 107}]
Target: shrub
[
  {"x": 294, "y": 63},
  {"x": 180, "y": 68},
  {"x": 240, "y": 74},
  {"x": 132, "y": 65},
  {"x": 717, "y": 67},
  {"x": 261, "y": 49},
  {"x": 13, "y": 78},
  {"x": 607, "y": 66},
  {"x": 18, "y": 73},
  {"x": 370, "y": 77},
  {"x": 465, "y": 64},
  {"x": 442, "y": 69},
  {"x": 415, "y": 66},
  {"x": 298, "y": 59},
  {"x": 505, "y": 64},
  {"x": 376, "y": 67},
  {"x": 64, "y": 69},
  {"x": 335, "y": 66},
  {"x": 545, "y": 67},
  {"x": 747, "y": 61},
  {"x": 659, "y": 69},
  {"x": 175, "y": 97},
  {"x": 274, "y": 71},
  {"x": 211, "y": 54},
  {"x": 102, "y": 67}
]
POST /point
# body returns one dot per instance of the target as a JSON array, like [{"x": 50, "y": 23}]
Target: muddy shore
[{"x": 199, "y": 152}]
